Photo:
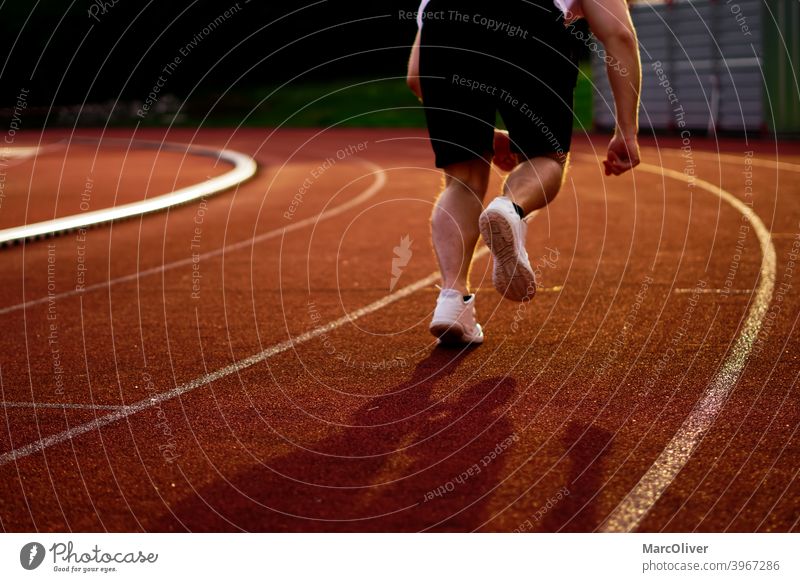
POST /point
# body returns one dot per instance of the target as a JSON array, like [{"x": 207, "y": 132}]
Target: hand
[
  {"x": 504, "y": 158},
  {"x": 623, "y": 154}
]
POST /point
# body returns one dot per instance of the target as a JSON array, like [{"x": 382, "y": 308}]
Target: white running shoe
[
  {"x": 454, "y": 319},
  {"x": 504, "y": 233}
]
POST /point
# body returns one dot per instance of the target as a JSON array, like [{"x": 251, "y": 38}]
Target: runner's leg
[
  {"x": 454, "y": 223},
  {"x": 534, "y": 183}
]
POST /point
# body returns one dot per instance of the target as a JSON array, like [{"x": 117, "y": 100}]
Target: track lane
[{"x": 239, "y": 436}]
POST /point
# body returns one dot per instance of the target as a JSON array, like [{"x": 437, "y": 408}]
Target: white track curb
[{"x": 244, "y": 168}]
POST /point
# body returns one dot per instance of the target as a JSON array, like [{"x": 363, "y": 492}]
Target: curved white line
[
  {"x": 728, "y": 158},
  {"x": 244, "y": 168},
  {"x": 640, "y": 500},
  {"x": 233, "y": 368},
  {"x": 374, "y": 188},
  {"x": 16, "y": 152},
  {"x": 60, "y": 406}
]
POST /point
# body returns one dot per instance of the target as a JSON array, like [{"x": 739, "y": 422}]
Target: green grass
[
  {"x": 356, "y": 103},
  {"x": 353, "y": 103}
]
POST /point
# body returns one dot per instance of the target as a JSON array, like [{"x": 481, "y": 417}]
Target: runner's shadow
[
  {"x": 382, "y": 473},
  {"x": 574, "y": 506}
]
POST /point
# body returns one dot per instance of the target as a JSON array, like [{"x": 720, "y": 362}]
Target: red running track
[{"x": 132, "y": 405}]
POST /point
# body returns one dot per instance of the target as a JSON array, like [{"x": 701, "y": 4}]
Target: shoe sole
[
  {"x": 451, "y": 334},
  {"x": 512, "y": 277}
]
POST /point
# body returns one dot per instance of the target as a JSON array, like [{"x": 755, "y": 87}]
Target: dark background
[
  {"x": 299, "y": 63},
  {"x": 64, "y": 56}
]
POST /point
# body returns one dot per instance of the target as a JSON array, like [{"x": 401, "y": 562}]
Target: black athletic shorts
[{"x": 481, "y": 57}]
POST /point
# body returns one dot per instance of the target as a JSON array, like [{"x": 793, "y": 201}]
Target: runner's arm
[
  {"x": 610, "y": 21},
  {"x": 412, "y": 78}
]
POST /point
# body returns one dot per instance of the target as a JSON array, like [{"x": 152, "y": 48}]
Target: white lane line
[
  {"x": 377, "y": 185},
  {"x": 244, "y": 168},
  {"x": 60, "y": 406},
  {"x": 554, "y": 289},
  {"x": 234, "y": 368},
  {"x": 640, "y": 500},
  {"x": 713, "y": 291},
  {"x": 740, "y": 160},
  {"x": 11, "y": 157},
  {"x": 18, "y": 152}
]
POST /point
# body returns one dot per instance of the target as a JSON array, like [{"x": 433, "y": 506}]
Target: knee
[
  {"x": 545, "y": 174},
  {"x": 472, "y": 176}
]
